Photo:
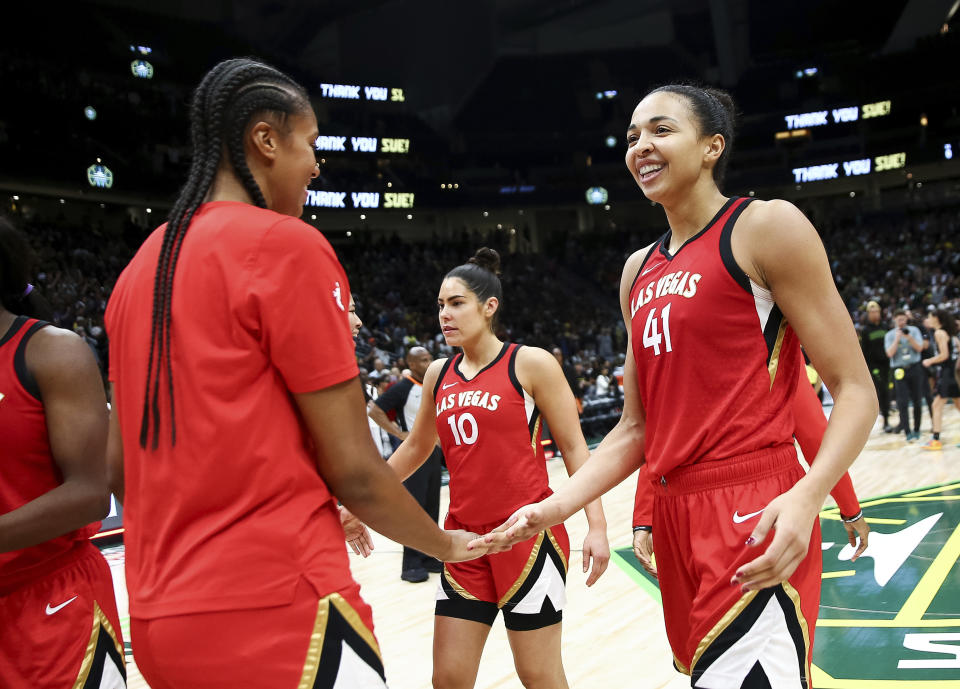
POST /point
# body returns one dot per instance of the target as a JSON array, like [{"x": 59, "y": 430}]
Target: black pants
[
  {"x": 910, "y": 389},
  {"x": 424, "y": 486},
  {"x": 881, "y": 381}
]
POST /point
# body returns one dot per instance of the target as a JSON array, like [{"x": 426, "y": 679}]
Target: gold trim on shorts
[
  {"x": 720, "y": 626},
  {"x": 99, "y": 619},
  {"x": 795, "y": 597},
  {"x": 456, "y": 586},
  {"x": 556, "y": 546},
  {"x": 680, "y": 666},
  {"x": 525, "y": 573},
  {"x": 312, "y": 664}
]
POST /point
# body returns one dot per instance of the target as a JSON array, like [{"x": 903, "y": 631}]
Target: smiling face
[
  {"x": 462, "y": 316},
  {"x": 666, "y": 154},
  {"x": 354, "y": 319},
  {"x": 294, "y": 165}
]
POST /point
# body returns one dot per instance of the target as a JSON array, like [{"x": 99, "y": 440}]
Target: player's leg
[
  {"x": 457, "y": 647},
  {"x": 536, "y": 655}
]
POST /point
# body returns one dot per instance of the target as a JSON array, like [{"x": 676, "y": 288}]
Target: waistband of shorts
[
  {"x": 728, "y": 472},
  {"x": 31, "y": 575}
]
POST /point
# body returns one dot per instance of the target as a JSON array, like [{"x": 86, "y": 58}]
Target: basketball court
[{"x": 891, "y": 620}]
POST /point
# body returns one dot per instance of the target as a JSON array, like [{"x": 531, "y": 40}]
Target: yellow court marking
[
  {"x": 889, "y": 624},
  {"x": 821, "y": 680},
  {"x": 931, "y": 491},
  {"x": 836, "y": 575},
  {"x": 870, "y": 520},
  {"x": 883, "y": 501},
  {"x": 929, "y": 585}
]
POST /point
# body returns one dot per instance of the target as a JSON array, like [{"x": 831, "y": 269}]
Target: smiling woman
[{"x": 715, "y": 310}]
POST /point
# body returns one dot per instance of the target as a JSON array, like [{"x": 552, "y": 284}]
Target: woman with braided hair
[{"x": 238, "y": 416}]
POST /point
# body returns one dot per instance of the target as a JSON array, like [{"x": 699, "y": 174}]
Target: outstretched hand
[
  {"x": 522, "y": 525},
  {"x": 355, "y": 533},
  {"x": 464, "y": 545},
  {"x": 791, "y": 516}
]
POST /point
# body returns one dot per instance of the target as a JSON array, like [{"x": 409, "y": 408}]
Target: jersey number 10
[
  {"x": 652, "y": 336},
  {"x": 464, "y": 428}
]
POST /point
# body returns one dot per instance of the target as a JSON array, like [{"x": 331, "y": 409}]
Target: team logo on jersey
[
  {"x": 892, "y": 618},
  {"x": 337, "y": 296}
]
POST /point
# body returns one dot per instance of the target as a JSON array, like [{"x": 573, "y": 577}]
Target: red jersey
[
  {"x": 29, "y": 470},
  {"x": 235, "y": 513},
  {"x": 716, "y": 361},
  {"x": 489, "y": 430}
]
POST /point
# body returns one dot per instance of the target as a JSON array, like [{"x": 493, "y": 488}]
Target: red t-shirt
[
  {"x": 28, "y": 468},
  {"x": 233, "y": 514},
  {"x": 489, "y": 430},
  {"x": 716, "y": 360}
]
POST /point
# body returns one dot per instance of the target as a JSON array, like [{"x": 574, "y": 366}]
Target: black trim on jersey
[
  {"x": 338, "y": 632},
  {"x": 462, "y": 608},
  {"x": 772, "y": 329},
  {"x": 443, "y": 372},
  {"x": 13, "y": 329},
  {"x": 20, "y": 362},
  {"x": 546, "y": 550},
  {"x": 512, "y": 371},
  {"x": 742, "y": 624},
  {"x": 105, "y": 648},
  {"x": 456, "y": 366},
  {"x": 532, "y": 425},
  {"x": 653, "y": 247},
  {"x": 726, "y": 249},
  {"x": 666, "y": 240}
]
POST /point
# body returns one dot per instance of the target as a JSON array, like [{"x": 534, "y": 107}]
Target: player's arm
[
  {"x": 377, "y": 410},
  {"x": 356, "y": 473},
  {"x": 619, "y": 454},
  {"x": 76, "y": 413},
  {"x": 943, "y": 349},
  {"x": 418, "y": 444},
  {"x": 115, "y": 450},
  {"x": 541, "y": 375},
  {"x": 779, "y": 248}
]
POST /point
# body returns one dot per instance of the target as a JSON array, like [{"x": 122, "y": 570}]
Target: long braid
[{"x": 240, "y": 87}]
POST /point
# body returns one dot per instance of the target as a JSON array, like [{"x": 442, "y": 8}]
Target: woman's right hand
[
  {"x": 643, "y": 549},
  {"x": 459, "y": 550}
]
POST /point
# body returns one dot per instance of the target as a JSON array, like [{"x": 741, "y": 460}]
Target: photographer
[{"x": 903, "y": 345}]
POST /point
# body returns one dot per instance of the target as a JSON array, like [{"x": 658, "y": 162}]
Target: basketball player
[
  {"x": 948, "y": 352},
  {"x": 714, "y": 309},
  {"x": 58, "y": 614},
  {"x": 238, "y": 416},
  {"x": 810, "y": 424},
  {"x": 485, "y": 405}
]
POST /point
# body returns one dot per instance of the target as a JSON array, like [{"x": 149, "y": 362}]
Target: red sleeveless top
[
  {"x": 489, "y": 430},
  {"x": 27, "y": 469},
  {"x": 717, "y": 363}
]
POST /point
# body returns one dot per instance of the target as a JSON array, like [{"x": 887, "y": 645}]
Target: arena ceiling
[{"x": 442, "y": 49}]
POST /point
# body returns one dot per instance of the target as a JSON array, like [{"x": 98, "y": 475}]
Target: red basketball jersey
[
  {"x": 489, "y": 430},
  {"x": 28, "y": 470},
  {"x": 716, "y": 361}
]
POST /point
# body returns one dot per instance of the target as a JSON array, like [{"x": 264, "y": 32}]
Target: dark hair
[
  {"x": 17, "y": 295},
  {"x": 227, "y": 99},
  {"x": 899, "y": 312},
  {"x": 480, "y": 275},
  {"x": 947, "y": 321},
  {"x": 715, "y": 113}
]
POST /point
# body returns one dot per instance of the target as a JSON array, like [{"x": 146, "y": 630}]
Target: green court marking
[
  {"x": 891, "y": 620},
  {"x": 627, "y": 561}
]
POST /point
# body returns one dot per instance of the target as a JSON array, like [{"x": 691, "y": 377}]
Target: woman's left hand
[
  {"x": 597, "y": 549},
  {"x": 791, "y": 516}
]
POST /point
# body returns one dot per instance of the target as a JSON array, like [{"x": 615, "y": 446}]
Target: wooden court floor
[{"x": 613, "y": 633}]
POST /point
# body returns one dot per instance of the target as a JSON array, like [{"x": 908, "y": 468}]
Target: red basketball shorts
[
  {"x": 317, "y": 641},
  {"x": 62, "y": 628},
  {"x": 528, "y": 582},
  {"x": 703, "y": 515}
]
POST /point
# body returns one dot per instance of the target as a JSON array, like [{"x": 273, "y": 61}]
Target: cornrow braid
[{"x": 223, "y": 104}]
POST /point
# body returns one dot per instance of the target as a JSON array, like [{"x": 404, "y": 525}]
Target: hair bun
[
  {"x": 726, "y": 102},
  {"x": 488, "y": 259}
]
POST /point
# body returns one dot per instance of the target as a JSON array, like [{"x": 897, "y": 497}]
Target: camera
[{"x": 904, "y": 330}]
